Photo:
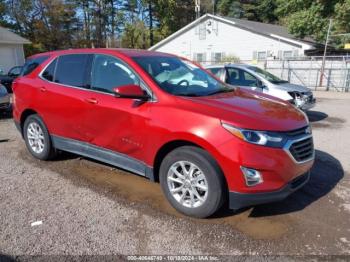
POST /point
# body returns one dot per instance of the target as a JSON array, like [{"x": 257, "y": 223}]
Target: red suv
[{"x": 167, "y": 119}]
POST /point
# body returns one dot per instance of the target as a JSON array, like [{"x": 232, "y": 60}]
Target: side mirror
[
  {"x": 131, "y": 91},
  {"x": 260, "y": 84}
]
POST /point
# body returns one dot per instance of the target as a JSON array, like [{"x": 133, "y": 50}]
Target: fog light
[{"x": 252, "y": 177}]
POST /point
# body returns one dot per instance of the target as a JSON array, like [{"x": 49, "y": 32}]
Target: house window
[
  {"x": 262, "y": 55},
  {"x": 217, "y": 57},
  {"x": 199, "y": 57},
  {"x": 202, "y": 31},
  {"x": 287, "y": 54}
]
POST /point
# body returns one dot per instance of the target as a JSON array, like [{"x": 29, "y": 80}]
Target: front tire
[
  {"x": 37, "y": 138},
  {"x": 192, "y": 181}
]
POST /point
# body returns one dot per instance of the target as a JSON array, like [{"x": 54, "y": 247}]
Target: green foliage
[
  {"x": 256, "y": 10},
  {"x": 231, "y": 58},
  {"x": 342, "y": 17},
  {"x": 308, "y": 22}
]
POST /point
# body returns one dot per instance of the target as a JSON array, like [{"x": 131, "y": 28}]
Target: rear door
[
  {"x": 118, "y": 124},
  {"x": 64, "y": 96}
]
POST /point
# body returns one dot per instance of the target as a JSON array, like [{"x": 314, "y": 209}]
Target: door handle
[
  {"x": 42, "y": 89},
  {"x": 91, "y": 101}
]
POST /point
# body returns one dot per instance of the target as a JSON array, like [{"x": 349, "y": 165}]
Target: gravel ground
[{"x": 88, "y": 208}]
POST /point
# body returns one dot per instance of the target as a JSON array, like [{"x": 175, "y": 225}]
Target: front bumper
[
  {"x": 240, "y": 200},
  {"x": 308, "y": 105}
]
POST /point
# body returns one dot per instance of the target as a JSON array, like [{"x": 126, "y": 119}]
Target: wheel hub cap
[
  {"x": 35, "y": 137},
  {"x": 187, "y": 184}
]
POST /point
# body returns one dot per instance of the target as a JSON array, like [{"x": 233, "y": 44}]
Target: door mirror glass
[{"x": 131, "y": 91}]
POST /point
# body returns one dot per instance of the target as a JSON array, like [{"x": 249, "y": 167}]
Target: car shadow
[
  {"x": 6, "y": 258},
  {"x": 64, "y": 155},
  {"x": 325, "y": 175},
  {"x": 5, "y": 115},
  {"x": 316, "y": 116}
]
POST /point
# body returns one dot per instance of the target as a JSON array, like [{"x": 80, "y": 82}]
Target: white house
[
  {"x": 211, "y": 38},
  {"x": 11, "y": 49}
]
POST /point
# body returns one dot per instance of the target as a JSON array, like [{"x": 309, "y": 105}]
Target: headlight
[{"x": 264, "y": 138}]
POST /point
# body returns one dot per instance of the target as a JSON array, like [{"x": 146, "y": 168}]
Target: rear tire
[
  {"x": 192, "y": 181},
  {"x": 37, "y": 138}
]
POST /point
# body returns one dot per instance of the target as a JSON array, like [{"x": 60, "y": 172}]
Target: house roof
[
  {"x": 7, "y": 37},
  {"x": 268, "y": 30}
]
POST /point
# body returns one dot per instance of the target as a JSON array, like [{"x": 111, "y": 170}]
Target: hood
[
  {"x": 250, "y": 110},
  {"x": 292, "y": 87}
]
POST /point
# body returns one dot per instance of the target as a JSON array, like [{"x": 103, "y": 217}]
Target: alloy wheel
[
  {"x": 187, "y": 184},
  {"x": 36, "y": 138}
]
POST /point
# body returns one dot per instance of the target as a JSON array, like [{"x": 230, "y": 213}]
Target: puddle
[
  {"x": 133, "y": 188},
  {"x": 329, "y": 122}
]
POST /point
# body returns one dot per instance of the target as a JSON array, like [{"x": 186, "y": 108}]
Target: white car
[{"x": 255, "y": 78}]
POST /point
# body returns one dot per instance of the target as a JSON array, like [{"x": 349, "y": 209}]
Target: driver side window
[
  {"x": 109, "y": 72},
  {"x": 240, "y": 77}
]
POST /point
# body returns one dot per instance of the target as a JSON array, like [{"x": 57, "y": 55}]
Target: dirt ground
[{"x": 89, "y": 208}]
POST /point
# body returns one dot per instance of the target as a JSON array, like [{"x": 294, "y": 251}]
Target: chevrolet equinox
[{"x": 167, "y": 119}]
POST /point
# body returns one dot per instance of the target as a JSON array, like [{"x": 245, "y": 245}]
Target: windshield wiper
[
  {"x": 187, "y": 94},
  {"x": 221, "y": 91},
  {"x": 279, "y": 82}
]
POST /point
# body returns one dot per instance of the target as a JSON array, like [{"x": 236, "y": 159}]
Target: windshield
[
  {"x": 266, "y": 75},
  {"x": 180, "y": 77}
]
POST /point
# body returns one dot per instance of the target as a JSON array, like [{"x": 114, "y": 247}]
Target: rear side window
[
  {"x": 49, "y": 72},
  {"x": 32, "y": 63},
  {"x": 71, "y": 70}
]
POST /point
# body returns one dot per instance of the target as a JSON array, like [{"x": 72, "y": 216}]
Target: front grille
[
  {"x": 297, "y": 132},
  {"x": 302, "y": 150}
]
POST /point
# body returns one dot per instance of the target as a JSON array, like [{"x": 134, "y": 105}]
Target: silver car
[
  {"x": 5, "y": 99},
  {"x": 255, "y": 78}
]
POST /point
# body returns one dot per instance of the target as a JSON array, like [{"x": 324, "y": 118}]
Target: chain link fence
[{"x": 307, "y": 71}]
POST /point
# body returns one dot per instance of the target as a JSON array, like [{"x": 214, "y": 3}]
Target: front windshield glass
[
  {"x": 266, "y": 75},
  {"x": 181, "y": 77}
]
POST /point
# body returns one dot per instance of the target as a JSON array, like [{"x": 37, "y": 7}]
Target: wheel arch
[
  {"x": 25, "y": 114},
  {"x": 174, "y": 144}
]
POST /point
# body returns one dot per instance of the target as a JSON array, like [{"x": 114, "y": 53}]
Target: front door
[
  {"x": 117, "y": 124},
  {"x": 241, "y": 78}
]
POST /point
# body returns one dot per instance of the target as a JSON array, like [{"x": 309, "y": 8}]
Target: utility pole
[
  {"x": 197, "y": 8},
  {"x": 150, "y": 10},
  {"x": 325, "y": 51}
]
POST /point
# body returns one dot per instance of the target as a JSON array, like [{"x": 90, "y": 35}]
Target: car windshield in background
[
  {"x": 180, "y": 77},
  {"x": 268, "y": 76}
]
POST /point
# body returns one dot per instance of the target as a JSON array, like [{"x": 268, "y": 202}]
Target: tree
[
  {"x": 342, "y": 17},
  {"x": 255, "y": 10},
  {"x": 311, "y": 18}
]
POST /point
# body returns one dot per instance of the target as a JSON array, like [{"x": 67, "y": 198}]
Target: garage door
[{"x": 7, "y": 58}]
